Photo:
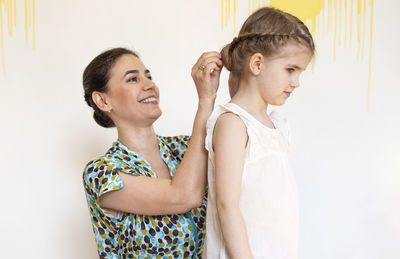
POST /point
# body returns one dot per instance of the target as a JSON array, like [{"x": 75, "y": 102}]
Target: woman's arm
[
  {"x": 229, "y": 143},
  {"x": 155, "y": 196}
]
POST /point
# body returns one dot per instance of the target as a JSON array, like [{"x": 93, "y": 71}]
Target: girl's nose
[{"x": 295, "y": 83}]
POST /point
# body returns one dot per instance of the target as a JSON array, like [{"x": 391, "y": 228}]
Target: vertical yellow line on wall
[
  {"x": 222, "y": 15},
  {"x": 351, "y": 23},
  {"x": 371, "y": 2},
  {"x": 33, "y": 25},
  {"x": 9, "y": 16},
  {"x": 318, "y": 29},
  {"x": 2, "y": 40},
  {"x": 363, "y": 30},
  {"x": 330, "y": 10},
  {"x": 358, "y": 28},
  {"x": 229, "y": 10},
  {"x": 234, "y": 18},
  {"x": 335, "y": 31},
  {"x": 345, "y": 23},
  {"x": 340, "y": 22},
  {"x": 325, "y": 22},
  {"x": 226, "y": 12},
  {"x": 29, "y": 12},
  {"x": 26, "y": 23},
  {"x": 15, "y": 12}
]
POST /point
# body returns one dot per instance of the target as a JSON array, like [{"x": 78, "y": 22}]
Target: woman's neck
[{"x": 139, "y": 139}]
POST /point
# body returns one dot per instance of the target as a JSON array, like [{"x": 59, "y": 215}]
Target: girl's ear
[
  {"x": 255, "y": 63},
  {"x": 100, "y": 99}
]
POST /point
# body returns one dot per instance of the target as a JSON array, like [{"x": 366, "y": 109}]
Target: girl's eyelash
[{"x": 133, "y": 79}]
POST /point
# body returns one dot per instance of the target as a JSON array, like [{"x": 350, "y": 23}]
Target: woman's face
[{"x": 132, "y": 93}]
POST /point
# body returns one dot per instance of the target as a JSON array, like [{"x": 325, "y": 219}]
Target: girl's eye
[
  {"x": 133, "y": 79},
  {"x": 290, "y": 70}
]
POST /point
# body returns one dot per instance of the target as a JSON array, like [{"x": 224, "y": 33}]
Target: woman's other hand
[{"x": 206, "y": 73}]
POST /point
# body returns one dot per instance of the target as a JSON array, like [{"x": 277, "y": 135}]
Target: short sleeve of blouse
[
  {"x": 101, "y": 176},
  {"x": 178, "y": 145}
]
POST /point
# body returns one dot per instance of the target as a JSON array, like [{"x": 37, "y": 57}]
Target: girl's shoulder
[
  {"x": 230, "y": 123},
  {"x": 230, "y": 111}
]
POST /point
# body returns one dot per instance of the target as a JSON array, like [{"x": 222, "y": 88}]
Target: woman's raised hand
[{"x": 205, "y": 74}]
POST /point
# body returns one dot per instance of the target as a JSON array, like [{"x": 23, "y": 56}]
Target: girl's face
[
  {"x": 132, "y": 93},
  {"x": 280, "y": 74}
]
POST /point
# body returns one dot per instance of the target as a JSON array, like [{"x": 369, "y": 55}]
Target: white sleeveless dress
[{"x": 268, "y": 199}]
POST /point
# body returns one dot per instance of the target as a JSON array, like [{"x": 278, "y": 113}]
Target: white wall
[{"x": 346, "y": 158}]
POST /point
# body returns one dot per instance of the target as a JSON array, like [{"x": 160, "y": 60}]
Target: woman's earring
[{"x": 110, "y": 110}]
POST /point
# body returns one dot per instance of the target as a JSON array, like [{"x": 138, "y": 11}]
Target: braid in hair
[
  {"x": 239, "y": 44},
  {"x": 265, "y": 31}
]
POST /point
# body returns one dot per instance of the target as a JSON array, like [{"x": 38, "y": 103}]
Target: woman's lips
[{"x": 150, "y": 99}]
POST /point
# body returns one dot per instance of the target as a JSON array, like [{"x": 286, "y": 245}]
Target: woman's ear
[
  {"x": 255, "y": 63},
  {"x": 101, "y": 101}
]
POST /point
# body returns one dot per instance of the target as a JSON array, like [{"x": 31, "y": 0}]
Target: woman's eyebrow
[{"x": 131, "y": 72}]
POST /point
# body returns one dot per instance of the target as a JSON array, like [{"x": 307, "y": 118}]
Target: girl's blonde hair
[{"x": 265, "y": 31}]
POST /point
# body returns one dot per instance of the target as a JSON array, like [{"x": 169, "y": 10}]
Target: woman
[{"x": 144, "y": 198}]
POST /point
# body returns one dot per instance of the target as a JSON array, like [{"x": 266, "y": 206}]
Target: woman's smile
[{"x": 149, "y": 100}]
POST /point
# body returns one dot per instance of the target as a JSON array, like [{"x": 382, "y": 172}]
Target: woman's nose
[{"x": 149, "y": 84}]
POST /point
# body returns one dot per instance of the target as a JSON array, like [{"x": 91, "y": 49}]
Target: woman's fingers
[
  {"x": 206, "y": 58},
  {"x": 206, "y": 74}
]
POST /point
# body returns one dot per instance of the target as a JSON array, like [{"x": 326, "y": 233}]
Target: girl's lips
[{"x": 287, "y": 93}]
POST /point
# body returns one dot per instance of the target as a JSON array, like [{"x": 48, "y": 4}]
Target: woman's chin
[{"x": 156, "y": 114}]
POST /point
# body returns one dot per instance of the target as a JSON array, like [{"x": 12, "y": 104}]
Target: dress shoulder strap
[{"x": 218, "y": 111}]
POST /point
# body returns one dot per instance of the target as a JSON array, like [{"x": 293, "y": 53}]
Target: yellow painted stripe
[
  {"x": 26, "y": 23},
  {"x": 234, "y": 18},
  {"x": 222, "y": 15},
  {"x": 34, "y": 25},
  {"x": 363, "y": 29},
  {"x": 370, "y": 54},
  {"x": 2, "y": 39},
  {"x": 15, "y": 12},
  {"x": 345, "y": 23}
]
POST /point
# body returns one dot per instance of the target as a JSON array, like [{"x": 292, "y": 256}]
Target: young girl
[{"x": 252, "y": 201}]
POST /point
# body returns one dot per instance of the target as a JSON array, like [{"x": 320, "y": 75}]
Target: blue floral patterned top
[{"x": 129, "y": 235}]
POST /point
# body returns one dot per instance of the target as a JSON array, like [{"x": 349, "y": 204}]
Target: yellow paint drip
[
  {"x": 8, "y": 19},
  {"x": 371, "y": 4},
  {"x": 344, "y": 20},
  {"x": 304, "y": 10},
  {"x": 228, "y": 10}
]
